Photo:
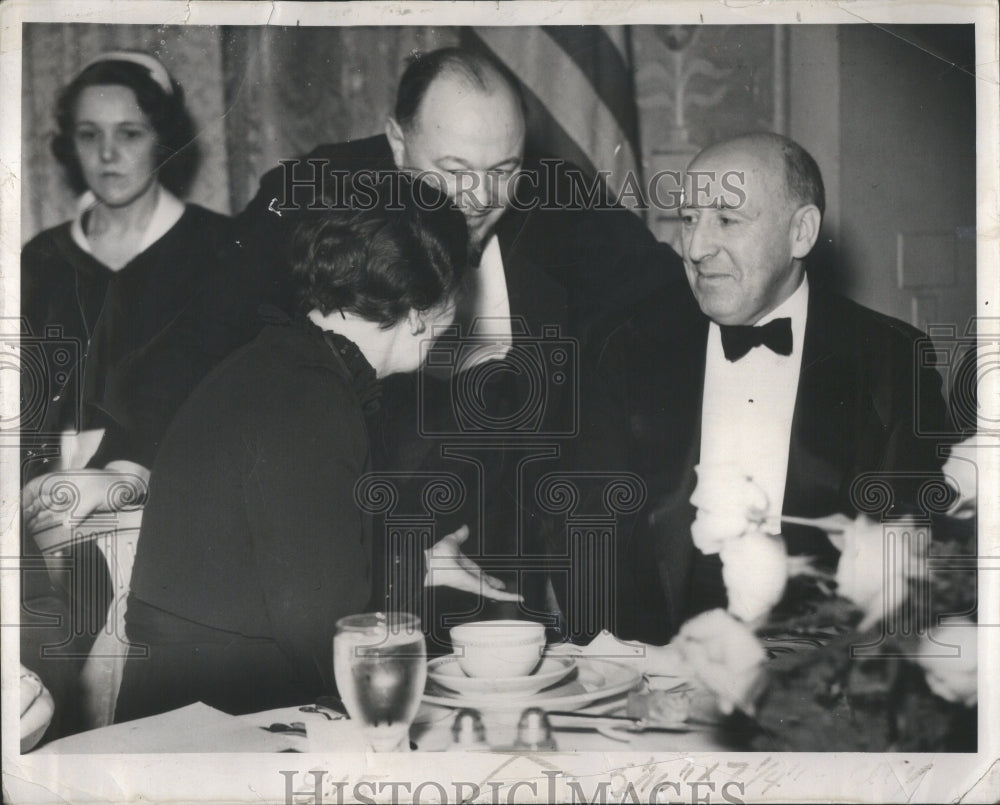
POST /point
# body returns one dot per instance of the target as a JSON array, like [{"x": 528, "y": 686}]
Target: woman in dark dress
[
  {"x": 253, "y": 543},
  {"x": 111, "y": 282},
  {"x": 98, "y": 293}
]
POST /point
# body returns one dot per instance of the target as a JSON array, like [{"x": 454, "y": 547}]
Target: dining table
[
  {"x": 578, "y": 717},
  {"x": 311, "y": 754}
]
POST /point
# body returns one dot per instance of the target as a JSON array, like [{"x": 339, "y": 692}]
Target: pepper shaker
[
  {"x": 468, "y": 732},
  {"x": 534, "y": 732}
]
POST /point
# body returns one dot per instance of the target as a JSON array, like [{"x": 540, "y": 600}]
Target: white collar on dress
[{"x": 168, "y": 212}]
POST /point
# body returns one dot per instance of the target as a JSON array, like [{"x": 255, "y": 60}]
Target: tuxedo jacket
[{"x": 859, "y": 397}]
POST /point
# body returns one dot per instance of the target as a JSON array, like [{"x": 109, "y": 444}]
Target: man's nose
[
  {"x": 483, "y": 192},
  {"x": 698, "y": 241}
]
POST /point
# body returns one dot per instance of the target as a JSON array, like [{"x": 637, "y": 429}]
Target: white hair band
[{"x": 156, "y": 70}]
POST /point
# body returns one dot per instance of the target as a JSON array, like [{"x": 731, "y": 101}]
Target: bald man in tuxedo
[{"x": 806, "y": 390}]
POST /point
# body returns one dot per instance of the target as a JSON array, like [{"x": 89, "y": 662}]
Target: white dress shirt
[
  {"x": 487, "y": 310},
  {"x": 748, "y": 404}
]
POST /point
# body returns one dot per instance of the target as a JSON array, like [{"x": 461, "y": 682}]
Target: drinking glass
[{"x": 380, "y": 664}]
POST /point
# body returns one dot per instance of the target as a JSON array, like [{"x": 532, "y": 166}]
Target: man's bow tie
[{"x": 738, "y": 340}]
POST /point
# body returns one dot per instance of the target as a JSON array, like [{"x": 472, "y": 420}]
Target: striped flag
[{"x": 579, "y": 90}]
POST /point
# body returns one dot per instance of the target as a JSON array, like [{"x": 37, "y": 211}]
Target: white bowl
[{"x": 497, "y": 649}]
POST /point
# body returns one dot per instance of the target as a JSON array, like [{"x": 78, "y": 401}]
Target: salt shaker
[
  {"x": 468, "y": 732},
  {"x": 534, "y": 732}
]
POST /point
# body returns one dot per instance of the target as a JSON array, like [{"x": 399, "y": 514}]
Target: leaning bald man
[
  {"x": 804, "y": 389},
  {"x": 548, "y": 262}
]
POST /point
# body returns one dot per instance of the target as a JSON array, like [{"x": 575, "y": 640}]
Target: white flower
[
  {"x": 875, "y": 562},
  {"x": 725, "y": 656},
  {"x": 948, "y": 657},
  {"x": 729, "y": 504},
  {"x": 960, "y": 471},
  {"x": 710, "y": 530},
  {"x": 755, "y": 571}
]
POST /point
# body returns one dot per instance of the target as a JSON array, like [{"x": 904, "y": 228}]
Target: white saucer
[
  {"x": 447, "y": 673},
  {"x": 593, "y": 680}
]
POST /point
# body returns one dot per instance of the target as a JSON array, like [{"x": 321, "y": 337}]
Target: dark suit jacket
[{"x": 854, "y": 414}]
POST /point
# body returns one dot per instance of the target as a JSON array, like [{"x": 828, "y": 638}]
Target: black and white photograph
[{"x": 516, "y": 402}]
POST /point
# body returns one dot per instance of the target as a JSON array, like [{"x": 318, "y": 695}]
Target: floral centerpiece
[{"x": 878, "y": 656}]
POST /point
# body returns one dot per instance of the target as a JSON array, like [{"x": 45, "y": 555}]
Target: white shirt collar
[
  {"x": 794, "y": 307},
  {"x": 748, "y": 405},
  {"x": 484, "y": 313},
  {"x": 168, "y": 212}
]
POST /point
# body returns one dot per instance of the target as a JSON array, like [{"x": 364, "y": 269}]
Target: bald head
[
  {"x": 784, "y": 159},
  {"x": 478, "y": 70},
  {"x": 752, "y": 212},
  {"x": 460, "y": 122}
]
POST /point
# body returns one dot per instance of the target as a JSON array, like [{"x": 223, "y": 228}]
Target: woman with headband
[
  {"x": 108, "y": 284},
  {"x": 116, "y": 277}
]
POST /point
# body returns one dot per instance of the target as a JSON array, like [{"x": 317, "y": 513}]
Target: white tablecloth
[{"x": 199, "y": 728}]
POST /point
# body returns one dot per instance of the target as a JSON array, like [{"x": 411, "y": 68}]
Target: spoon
[
  {"x": 832, "y": 525},
  {"x": 625, "y": 723}
]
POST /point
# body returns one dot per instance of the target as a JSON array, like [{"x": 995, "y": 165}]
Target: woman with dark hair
[
  {"x": 113, "y": 280},
  {"x": 252, "y": 542}
]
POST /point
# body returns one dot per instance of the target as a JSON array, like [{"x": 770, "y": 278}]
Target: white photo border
[{"x": 257, "y": 778}]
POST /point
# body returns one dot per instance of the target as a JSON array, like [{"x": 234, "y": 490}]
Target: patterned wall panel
[
  {"x": 696, "y": 85},
  {"x": 291, "y": 89}
]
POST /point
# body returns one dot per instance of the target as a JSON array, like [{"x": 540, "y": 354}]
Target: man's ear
[
  {"x": 397, "y": 142},
  {"x": 805, "y": 230}
]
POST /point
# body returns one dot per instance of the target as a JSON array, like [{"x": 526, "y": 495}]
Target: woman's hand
[
  {"x": 58, "y": 497},
  {"x": 37, "y": 709},
  {"x": 447, "y": 566}
]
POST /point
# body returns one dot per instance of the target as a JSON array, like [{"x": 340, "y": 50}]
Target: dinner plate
[
  {"x": 591, "y": 680},
  {"x": 447, "y": 673}
]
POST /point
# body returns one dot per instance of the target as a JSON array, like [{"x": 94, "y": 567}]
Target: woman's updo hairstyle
[
  {"x": 398, "y": 245},
  {"x": 160, "y": 98}
]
